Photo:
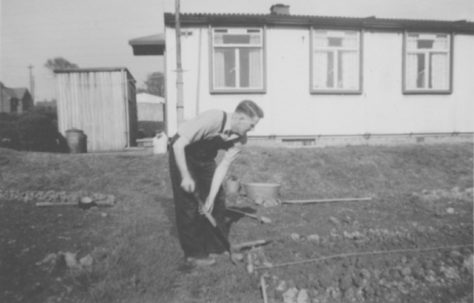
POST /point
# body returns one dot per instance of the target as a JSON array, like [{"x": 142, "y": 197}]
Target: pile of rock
[{"x": 56, "y": 196}]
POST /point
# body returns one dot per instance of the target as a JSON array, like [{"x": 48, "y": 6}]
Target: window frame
[
  {"x": 427, "y": 91},
  {"x": 336, "y": 91},
  {"x": 240, "y": 90}
]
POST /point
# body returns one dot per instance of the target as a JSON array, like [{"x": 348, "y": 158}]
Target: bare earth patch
[{"x": 411, "y": 243}]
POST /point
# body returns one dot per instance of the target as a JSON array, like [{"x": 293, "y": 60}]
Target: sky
[{"x": 95, "y": 33}]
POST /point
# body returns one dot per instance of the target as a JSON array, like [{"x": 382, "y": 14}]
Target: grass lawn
[{"x": 422, "y": 197}]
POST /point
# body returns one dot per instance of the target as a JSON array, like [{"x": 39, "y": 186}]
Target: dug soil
[{"x": 411, "y": 242}]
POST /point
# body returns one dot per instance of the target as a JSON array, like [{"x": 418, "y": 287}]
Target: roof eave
[{"x": 370, "y": 23}]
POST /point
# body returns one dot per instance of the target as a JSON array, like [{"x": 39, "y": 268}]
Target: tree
[
  {"x": 59, "y": 63},
  {"x": 155, "y": 84}
]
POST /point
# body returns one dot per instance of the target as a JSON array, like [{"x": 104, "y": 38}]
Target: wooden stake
[
  {"x": 261, "y": 219},
  {"x": 43, "y": 204},
  {"x": 310, "y": 201},
  {"x": 250, "y": 244},
  {"x": 359, "y": 254},
  {"x": 264, "y": 288}
]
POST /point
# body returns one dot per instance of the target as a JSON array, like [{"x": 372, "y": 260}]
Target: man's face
[{"x": 245, "y": 124}]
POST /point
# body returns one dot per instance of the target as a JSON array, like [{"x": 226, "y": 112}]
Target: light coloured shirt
[{"x": 209, "y": 125}]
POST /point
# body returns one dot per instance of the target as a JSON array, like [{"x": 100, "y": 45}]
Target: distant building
[
  {"x": 150, "y": 107},
  {"x": 14, "y": 100}
]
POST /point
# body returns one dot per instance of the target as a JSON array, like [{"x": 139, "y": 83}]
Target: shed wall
[{"x": 96, "y": 103}]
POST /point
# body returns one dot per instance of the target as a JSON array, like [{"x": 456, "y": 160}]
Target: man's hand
[
  {"x": 188, "y": 184},
  {"x": 208, "y": 206}
]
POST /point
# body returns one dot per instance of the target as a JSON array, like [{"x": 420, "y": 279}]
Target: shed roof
[
  {"x": 370, "y": 22},
  {"x": 94, "y": 70}
]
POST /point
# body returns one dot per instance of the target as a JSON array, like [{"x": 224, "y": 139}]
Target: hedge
[{"x": 35, "y": 130}]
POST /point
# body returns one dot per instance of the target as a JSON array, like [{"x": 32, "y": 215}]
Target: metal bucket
[
  {"x": 76, "y": 141},
  {"x": 262, "y": 191}
]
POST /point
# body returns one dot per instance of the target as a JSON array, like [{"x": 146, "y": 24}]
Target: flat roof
[
  {"x": 370, "y": 22},
  {"x": 148, "y": 45}
]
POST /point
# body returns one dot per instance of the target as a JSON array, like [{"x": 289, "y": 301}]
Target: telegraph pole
[
  {"x": 32, "y": 82},
  {"x": 179, "y": 68}
]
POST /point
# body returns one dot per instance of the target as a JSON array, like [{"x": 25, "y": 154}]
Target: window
[
  {"x": 14, "y": 105},
  {"x": 335, "y": 61},
  {"x": 427, "y": 63},
  {"x": 237, "y": 60}
]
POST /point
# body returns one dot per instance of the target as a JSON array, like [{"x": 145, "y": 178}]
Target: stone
[
  {"x": 289, "y": 296},
  {"x": 86, "y": 261},
  {"x": 450, "y": 272},
  {"x": 334, "y": 221},
  {"x": 469, "y": 263},
  {"x": 313, "y": 238},
  {"x": 345, "y": 282},
  {"x": 50, "y": 258},
  {"x": 295, "y": 236},
  {"x": 302, "y": 296},
  {"x": 405, "y": 271},
  {"x": 71, "y": 260},
  {"x": 281, "y": 286}
]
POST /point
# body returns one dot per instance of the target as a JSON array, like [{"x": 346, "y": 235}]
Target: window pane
[
  {"x": 236, "y": 39},
  {"x": 351, "y": 41},
  {"x": 420, "y": 71},
  {"x": 250, "y": 67},
  {"x": 330, "y": 71},
  {"x": 425, "y": 43},
  {"x": 439, "y": 71},
  {"x": 349, "y": 68},
  {"x": 320, "y": 67},
  {"x": 224, "y": 67},
  {"x": 334, "y": 41},
  {"x": 411, "y": 73},
  {"x": 441, "y": 43}
]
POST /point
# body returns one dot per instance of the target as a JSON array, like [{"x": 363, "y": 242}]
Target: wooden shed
[{"x": 102, "y": 103}]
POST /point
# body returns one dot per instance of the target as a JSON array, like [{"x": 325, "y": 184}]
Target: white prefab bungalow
[{"x": 323, "y": 76}]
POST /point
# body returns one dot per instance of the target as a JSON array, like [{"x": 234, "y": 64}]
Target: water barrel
[
  {"x": 76, "y": 141},
  {"x": 160, "y": 142}
]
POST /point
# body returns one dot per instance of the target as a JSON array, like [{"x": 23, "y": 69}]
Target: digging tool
[
  {"x": 260, "y": 219},
  {"x": 218, "y": 232},
  {"x": 250, "y": 244},
  {"x": 311, "y": 201}
]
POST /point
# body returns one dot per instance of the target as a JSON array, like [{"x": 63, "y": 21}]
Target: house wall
[
  {"x": 289, "y": 107},
  {"x": 96, "y": 103}
]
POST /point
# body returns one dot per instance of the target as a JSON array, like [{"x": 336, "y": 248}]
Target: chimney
[{"x": 280, "y": 9}]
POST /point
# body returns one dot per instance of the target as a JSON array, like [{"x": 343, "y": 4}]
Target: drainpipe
[
  {"x": 179, "y": 68},
  {"x": 1, "y": 97}
]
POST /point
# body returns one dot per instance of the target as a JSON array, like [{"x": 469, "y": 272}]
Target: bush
[
  {"x": 35, "y": 130},
  {"x": 9, "y": 131}
]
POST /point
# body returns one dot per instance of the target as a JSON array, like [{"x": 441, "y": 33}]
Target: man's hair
[{"x": 249, "y": 108}]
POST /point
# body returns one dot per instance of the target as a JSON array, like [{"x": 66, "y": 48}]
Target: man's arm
[
  {"x": 219, "y": 176},
  {"x": 187, "y": 181}
]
